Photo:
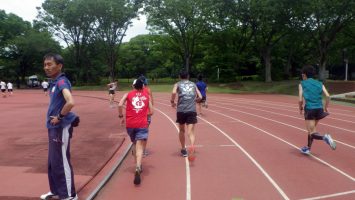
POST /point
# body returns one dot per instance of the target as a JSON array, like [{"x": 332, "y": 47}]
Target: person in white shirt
[
  {"x": 9, "y": 88},
  {"x": 3, "y": 88},
  {"x": 45, "y": 85},
  {"x": 111, "y": 92}
]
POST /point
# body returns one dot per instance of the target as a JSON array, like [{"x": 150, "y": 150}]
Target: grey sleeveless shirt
[{"x": 186, "y": 91}]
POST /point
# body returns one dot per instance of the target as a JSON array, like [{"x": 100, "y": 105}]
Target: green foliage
[{"x": 268, "y": 40}]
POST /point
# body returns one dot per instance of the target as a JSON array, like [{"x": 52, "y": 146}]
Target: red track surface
[{"x": 247, "y": 148}]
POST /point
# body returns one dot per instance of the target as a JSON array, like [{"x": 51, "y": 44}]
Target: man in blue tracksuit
[{"x": 60, "y": 122}]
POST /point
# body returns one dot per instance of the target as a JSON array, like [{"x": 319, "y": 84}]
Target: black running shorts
[
  {"x": 186, "y": 118},
  {"x": 315, "y": 114}
]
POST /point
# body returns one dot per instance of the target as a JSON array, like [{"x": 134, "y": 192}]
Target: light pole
[
  {"x": 346, "y": 61},
  {"x": 217, "y": 73}
]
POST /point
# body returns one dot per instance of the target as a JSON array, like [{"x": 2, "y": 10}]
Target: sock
[
  {"x": 310, "y": 141},
  {"x": 317, "y": 136}
]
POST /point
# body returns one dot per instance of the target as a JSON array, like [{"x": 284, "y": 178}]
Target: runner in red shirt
[{"x": 138, "y": 106}]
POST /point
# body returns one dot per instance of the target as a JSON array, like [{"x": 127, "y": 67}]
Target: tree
[
  {"x": 269, "y": 20},
  {"x": 323, "y": 20},
  {"x": 70, "y": 21},
  {"x": 112, "y": 19},
  {"x": 184, "y": 21}
]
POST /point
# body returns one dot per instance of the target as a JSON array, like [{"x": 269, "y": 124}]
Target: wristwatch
[{"x": 60, "y": 116}]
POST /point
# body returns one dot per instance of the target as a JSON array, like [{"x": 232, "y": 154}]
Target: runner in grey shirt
[{"x": 186, "y": 114}]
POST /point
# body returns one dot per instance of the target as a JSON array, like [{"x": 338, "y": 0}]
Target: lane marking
[
  {"x": 343, "y": 143},
  {"x": 330, "y": 195},
  {"x": 278, "y": 138},
  {"x": 278, "y": 188},
  {"x": 249, "y": 156},
  {"x": 289, "y": 116},
  {"x": 273, "y": 104},
  {"x": 187, "y": 165},
  {"x": 227, "y": 145},
  {"x": 293, "y": 110}
]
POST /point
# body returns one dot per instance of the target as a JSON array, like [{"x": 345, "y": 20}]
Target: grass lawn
[{"x": 281, "y": 87}]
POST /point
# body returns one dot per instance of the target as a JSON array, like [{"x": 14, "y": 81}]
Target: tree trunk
[
  {"x": 322, "y": 64},
  {"x": 266, "y": 53},
  {"x": 187, "y": 62}
]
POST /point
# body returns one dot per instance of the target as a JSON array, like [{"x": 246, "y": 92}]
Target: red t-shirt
[{"x": 137, "y": 109}]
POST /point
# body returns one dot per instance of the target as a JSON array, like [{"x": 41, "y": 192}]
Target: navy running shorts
[
  {"x": 137, "y": 134},
  {"x": 314, "y": 114},
  {"x": 186, "y": 118},
  {"x": 111, "y": 92}
]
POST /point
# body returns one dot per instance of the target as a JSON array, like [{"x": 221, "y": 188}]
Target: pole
[
  {"x": 346, "y": 70},
  {"x": 218, "y": 74}
]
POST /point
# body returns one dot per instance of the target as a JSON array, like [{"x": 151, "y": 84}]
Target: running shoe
[
  {"x": 183, "y": 153},
  {"x": 137, "y": 176},
  {"x": 191, "y": 156},
  {"x": 49, "y": 195},
  {"x": 328, "y": 139},
  {"x": 305, "y": 150}
]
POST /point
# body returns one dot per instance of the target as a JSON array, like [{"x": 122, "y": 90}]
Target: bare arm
[
  {"x": 173, "y": 95},
  {"x": 327, "y": 98},
  {"x": 199, "y": 95},
  {"x": 120, "y": 108},
  {"x": 300, "y": 98},
  {"x": 151, "y": 96},
  {"x": 151, "y": 108}
]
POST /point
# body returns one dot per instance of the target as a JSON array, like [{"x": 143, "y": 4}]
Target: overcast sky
[{"x": 26, "y": 9}]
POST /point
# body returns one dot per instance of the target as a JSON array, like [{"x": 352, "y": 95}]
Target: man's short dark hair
[
  {"x": 200, "y": 77},
  {"x": 56, "y": 57},
  {"x": 309, "y": 71},
  {"x": 143, "y": 79},
  {"x": 184, "y": 74},
  {"x": 138, "y": 84}
]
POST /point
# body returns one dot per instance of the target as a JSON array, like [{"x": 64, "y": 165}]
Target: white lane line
[
  {"x": 278, "y": 188},
  {"x": 249, "y": 156},
  {"x": 331, "y": 195},
  {"x": 280, "y": 105},
  {"x": 187, "y": 165},
  {"x": 227, "y": 145},
  {"x": 340, "y": 142},
  {"x": 344, "y": 129},
  {"x": 282, "y": 140},
  {"x": 295, "y": 110}
]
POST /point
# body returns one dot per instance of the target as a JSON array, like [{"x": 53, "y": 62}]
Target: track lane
[{"x": 221, "y": 171}]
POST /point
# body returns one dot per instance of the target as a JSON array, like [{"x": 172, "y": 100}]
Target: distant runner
[{"x": 202, "y": 86}]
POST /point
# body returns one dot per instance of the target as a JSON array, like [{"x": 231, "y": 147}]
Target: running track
[{"x": 247, "y": 148}]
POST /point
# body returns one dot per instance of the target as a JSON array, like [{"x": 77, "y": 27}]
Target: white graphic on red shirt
[{"x": 138, "y": 102}]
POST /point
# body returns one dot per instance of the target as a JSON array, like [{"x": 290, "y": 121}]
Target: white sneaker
[
  {"x": 49, "y": 195},
  {"x": 329, "y": 140},
  {"x": 72, "y": 198}
]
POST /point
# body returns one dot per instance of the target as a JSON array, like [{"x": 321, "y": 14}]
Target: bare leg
[
  {"x": 182, "y": 135},
  {"x": 191, "y": 133},
  {"x": 139, "y": 152},
  {"x": 199, "y": 108}
]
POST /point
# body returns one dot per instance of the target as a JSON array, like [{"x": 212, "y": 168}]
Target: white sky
[{"x": 26, "y": 9}]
